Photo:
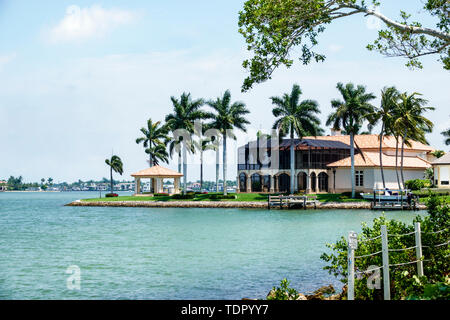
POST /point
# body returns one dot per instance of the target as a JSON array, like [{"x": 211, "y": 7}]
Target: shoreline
[{"x": 217, "y": 204}]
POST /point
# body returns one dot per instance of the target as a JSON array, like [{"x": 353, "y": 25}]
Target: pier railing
[{"x": 385, "y": 250}]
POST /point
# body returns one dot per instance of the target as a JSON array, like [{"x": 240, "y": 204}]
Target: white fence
[{"x": 353, "y": 245}]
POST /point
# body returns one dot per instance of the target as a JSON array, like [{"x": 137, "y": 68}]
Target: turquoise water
[{"x": 170, "y": 253}]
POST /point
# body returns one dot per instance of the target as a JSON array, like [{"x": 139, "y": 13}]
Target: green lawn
[{"x": 250, "y": 197}]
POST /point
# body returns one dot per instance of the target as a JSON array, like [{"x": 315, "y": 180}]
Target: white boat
[{"x": 386, "y": 195}]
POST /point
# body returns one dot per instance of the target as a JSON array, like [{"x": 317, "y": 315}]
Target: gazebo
[{"x": 157, "y": 174}]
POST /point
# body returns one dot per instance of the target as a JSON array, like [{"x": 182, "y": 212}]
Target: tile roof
[
  {"x": 371, "y": 141},
  {"x": 157, "y": 171},
  {"x": 372, "y": 159},
  {"x": 445, "y": 159}
]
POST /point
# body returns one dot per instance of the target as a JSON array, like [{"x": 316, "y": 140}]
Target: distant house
[
  {"x": 3, "y": 186},
  {"x": 441, "y": 168},
  {"x": 322, "y": 164}
]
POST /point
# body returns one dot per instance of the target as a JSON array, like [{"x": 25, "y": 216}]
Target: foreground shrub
[
  {"x": 222, "y": 196},
  {"x": 183, "y": 196},
  {"x": 417, "y": 184},
  {"x": 403, "y": 281},
  {"x": 161, "y": 194},
  {"x": 283, "y": 292},
  {"x": 111, "y": 195}
]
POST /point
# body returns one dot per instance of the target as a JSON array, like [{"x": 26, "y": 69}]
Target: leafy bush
[
  {"x": 402, "y": 281},
  {"x": 283, "y": 292},
  {"x": 186, "y": 196},
  {"x": 434, "y": 291},
  {"x": 216, "y": 196},
  {"x": 426, "y": 194},
  {"x": 161, "y": 194},
  {"x": 111, "y": 195},
  {"x": 417, "y": 184}
]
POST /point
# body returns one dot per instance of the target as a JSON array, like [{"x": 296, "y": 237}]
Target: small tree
[{"x": 115, "y": 164}]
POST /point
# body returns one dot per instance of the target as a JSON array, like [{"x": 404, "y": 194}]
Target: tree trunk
[
  {"x": 201, "y": 169},
  {"x": 224, "y": 164},
  {"x": 396, "y": 162},
  {"x": 352, "y": 157},
  {"x": 381, "y": 156},
  {"x": 402, "y": 157},
  {"x": 112, "y": 182},
  {"x": 292, "y": 156},
  {"x": 179, "y": 161},
  {"x": 217, "y": 168},
  {"x": 150, "y": 161},
  {"x": 184, "y": 168}
]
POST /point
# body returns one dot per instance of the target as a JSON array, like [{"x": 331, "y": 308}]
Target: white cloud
[
  {"x": 91, "y": 22},
  {"x": 5, "y": 59}
]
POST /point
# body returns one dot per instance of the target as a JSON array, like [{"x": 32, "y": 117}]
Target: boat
[{"x": 386, "y": 195}]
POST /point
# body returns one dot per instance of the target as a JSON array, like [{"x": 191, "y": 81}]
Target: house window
[{"x": 359, "y": 178}]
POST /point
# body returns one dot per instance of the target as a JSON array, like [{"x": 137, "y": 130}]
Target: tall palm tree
[
  {"x": 295, "y": 117},
  {"x": 410, "y": 123},
  {"x": 385, "y": 115},
  {"x": 185, "y": 112},
  {"x": 116, "y": 165},
  {"x": 350, "y": 114},
  {"x": 228, "y": 116},
  {"x": 153, "y": 137}
]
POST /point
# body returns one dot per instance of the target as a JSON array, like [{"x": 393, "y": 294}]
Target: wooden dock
[
  {"x": 291, "y": 202},
  {"x": 396, "y": 205}
]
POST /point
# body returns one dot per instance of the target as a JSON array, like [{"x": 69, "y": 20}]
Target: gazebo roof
[{"x": 157, "y": 172}]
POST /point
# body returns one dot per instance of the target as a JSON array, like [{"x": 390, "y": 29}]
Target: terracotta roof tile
[
  {"x": 370, "y": 141},
  {"x": 372, "y": 159},
  {"x": 157, "y": 171}
]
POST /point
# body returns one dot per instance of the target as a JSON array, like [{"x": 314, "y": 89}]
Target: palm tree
[
  {"x": 446, "y": 134},
  {"x": 438, "y": 153},
  {"x": 385, "y": 114},
  {"x": 152, "y": 138},
  {"x": 157, "y": 153},
  {"x": 154, "y": 135},
  {"x": 116, "y": 165},
  {"x": 295, "y": 118},
  {"x": 410, "y": 124},
  {"x": 228, "y": 116},
  {"x": 350, "y": 114},
  {"x": 185, "y": 112}
]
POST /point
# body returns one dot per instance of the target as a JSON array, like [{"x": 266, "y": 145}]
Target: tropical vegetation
[
  {"x": 277, "y": 31},
  {"x": 226, "y": 118},
  {"x": 295, "y": 117},
  {"x": 115, "y": 164},
  {"x": 185, "y": 112},
  {"x": 404, "y": 281},
  {"x": 350, "y": 114}
]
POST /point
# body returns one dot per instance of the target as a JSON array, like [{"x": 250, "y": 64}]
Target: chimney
[{"x": 335, "y": 132}]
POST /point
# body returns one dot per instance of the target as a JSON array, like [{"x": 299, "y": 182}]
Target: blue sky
[{"x": 70, "y": 94}]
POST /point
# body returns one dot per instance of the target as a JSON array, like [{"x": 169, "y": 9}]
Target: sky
[{"x": 78, "y": 79}]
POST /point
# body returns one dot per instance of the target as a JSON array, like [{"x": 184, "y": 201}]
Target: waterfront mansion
[{"x": 322, "y": 164}]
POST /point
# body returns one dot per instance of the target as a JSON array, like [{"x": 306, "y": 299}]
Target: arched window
[
  {"x": 242, "y": 182},
  {"x": 256, "y": 183},
  {"x": 323, "y": 182}
]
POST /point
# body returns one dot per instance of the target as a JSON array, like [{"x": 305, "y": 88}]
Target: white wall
[{"x": 372, "y": 178}]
